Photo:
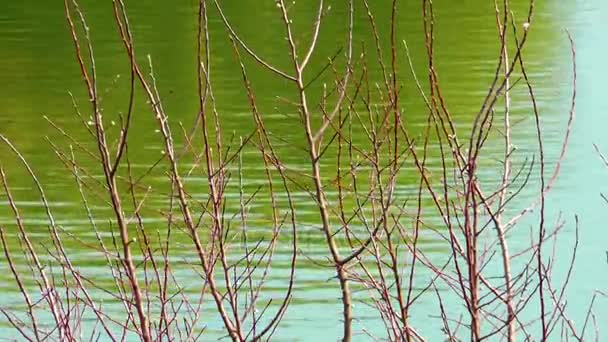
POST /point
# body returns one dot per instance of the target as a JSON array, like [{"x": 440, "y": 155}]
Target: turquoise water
[{"x": 38, "y": 69}]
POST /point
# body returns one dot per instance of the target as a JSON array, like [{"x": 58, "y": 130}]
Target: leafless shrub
[{"x": 371, "y": 232}]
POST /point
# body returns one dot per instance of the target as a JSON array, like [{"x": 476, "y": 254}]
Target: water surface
[{"x": 38, "y": 71}]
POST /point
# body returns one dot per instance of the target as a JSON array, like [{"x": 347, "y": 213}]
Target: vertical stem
[
  {"x": 314, "y": 154},
  {"x": 506, "y": 258}
]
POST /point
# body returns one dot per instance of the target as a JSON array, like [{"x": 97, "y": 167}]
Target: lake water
[{"x": 38, "y": 70}]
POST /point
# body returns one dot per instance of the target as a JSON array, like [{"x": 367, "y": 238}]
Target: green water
[{"x": 38, "y": 70}]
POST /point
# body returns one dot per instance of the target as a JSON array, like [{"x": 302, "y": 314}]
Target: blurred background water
[{"x": 38, "y": 70}]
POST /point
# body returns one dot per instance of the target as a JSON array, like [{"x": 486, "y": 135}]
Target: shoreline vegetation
[{"x": 483, "y": 288}]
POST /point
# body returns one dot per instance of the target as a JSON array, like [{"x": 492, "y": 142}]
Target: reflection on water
[{"x": 38, "y": 69}]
